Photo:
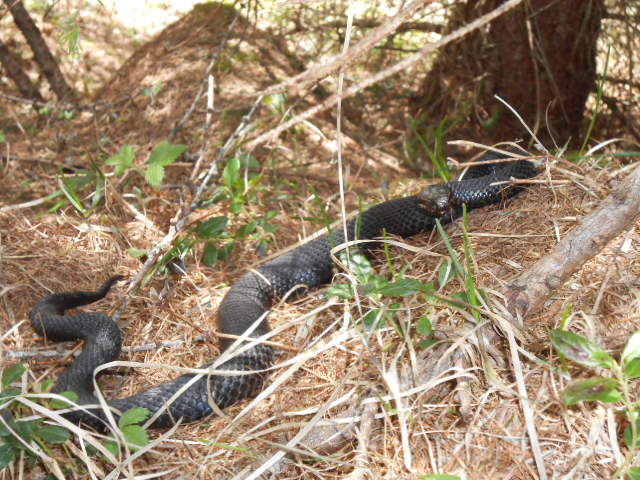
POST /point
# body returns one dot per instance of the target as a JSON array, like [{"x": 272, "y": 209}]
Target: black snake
[{"x": 248, "y": 300}]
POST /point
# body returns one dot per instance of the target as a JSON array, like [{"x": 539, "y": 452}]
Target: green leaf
[
  {"x": 113, "y": 447},
  {"x": 57, "y": 404},
  {"x": 580, "y": 350},
  {"x": 341, "y": 290},
  {"x": 12, "y": 374},
  {"x": 593, "y": 389},
  {"x": 100, "y": 186},
  {"x": 210, "y": 256},
  {"x": 628, "y": 435},
  {"x": 634, "y": 473},
  {"x": 225, "y": 251},
  {"x": 262, "y": 247},
  {"x": 632, "y": 349},
  {"x": 136, "y": 434},
  {"x": 424, "y": 344},
  {"x": 446, "y": 273},
  {"x": 249, "y": 161},
  {"x": 26, "y": 429},
  {"x": 46, "y": 384},
  {"x": 452, "y": 253},
  {"x": 53, "y": 434},
  {"x": 424, "y": 326},
  {"x": 358, "y": 263},
  {"x": 133, "y": 416},
  {"x": 374, "y": 318},
  {"x": 230, "y": 174},
  {"x": 565, "y": 317},
  {"x": 123, "y": 160},
  {"x": 69, "y": 191},
  {"x": 632, "y": 369},
  {"x": 3, "y": 137},
  {"x": 9, "y": 392},
  {"x": 7, "y": 455},
  {"x": 401, "y": 287},
  {"x": 166, "y": 153},
  {"x": 154, "y": 174},
  {"x": 458, "y": 299},
  {"x": 137, "y": 252},
  {"x": 212, "y": 227},
  {"x": 4, "y": 431},
  {"x": 247, "y": 229}
]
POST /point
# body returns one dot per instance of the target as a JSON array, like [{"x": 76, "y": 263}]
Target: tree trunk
[
  {"x": 540, "y": 58},
  {"x": 41, "y": 52},
  {"x": 11, "y": 64}
]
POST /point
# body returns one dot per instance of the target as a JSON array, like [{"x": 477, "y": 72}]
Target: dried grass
[{"x": 456, "y": 410}]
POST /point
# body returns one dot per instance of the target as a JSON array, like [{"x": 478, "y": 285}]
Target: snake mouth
[{"x": 436, "y": 199}]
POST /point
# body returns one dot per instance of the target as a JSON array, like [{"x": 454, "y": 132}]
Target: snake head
[{"x": 436, "y": 199}]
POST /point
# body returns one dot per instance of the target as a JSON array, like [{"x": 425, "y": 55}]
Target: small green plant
[
  {"x": 70, "y": 34},
  {"x": 133, "y": 434},
  {"x": 72, "y": 184},
  {"x": 30, "y": 439},
  {"x": 469, "y": 298},
  {"x": 163, "y": 155},
  {"x": 23, "y": 437},
  {"x": 323, "y": 217},
  {"x": 240, "y": 185},
  {"x": 437, "y": 137},
  {"x": 221, "y": 233},
  {"x": 378, "y": 287},
  {"x": 153, "y": 91},
  {"x": 613, "y": 388}
]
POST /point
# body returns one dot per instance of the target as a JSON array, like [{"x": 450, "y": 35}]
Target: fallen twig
[
  {"x": 147, "y": 347},
  {"x": 528, "y": 292}
]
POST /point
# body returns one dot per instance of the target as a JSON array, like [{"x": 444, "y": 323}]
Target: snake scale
[{"x": 249, "y": 299}]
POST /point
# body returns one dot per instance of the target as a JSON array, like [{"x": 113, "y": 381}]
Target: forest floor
[{"x": 466, "y": 420}]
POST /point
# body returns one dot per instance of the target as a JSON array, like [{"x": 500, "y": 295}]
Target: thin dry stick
[
  {"x": 529, "y": 291},
  {"x": 316, "y": 72},
  {"x": 211, "y": 84},
  {"x": 401, "y": 65}
]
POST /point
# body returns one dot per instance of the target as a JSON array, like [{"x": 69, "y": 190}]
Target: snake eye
[{"x": 435, "y": 199}]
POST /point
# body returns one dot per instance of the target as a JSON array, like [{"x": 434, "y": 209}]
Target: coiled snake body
[{"x": 249, "y": 299}]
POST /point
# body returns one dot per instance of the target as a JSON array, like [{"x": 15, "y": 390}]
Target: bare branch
[
  {"x": 529, "y": 291},
  {"x": 401, "y": 65},
  {"x": 316, "y": 73}
]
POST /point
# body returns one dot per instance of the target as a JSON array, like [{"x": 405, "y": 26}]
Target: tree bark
[
  {"x": 41, "y": 52},
  {"x": 540, "y": 58},
  {"x": 11, "y": 64}
]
